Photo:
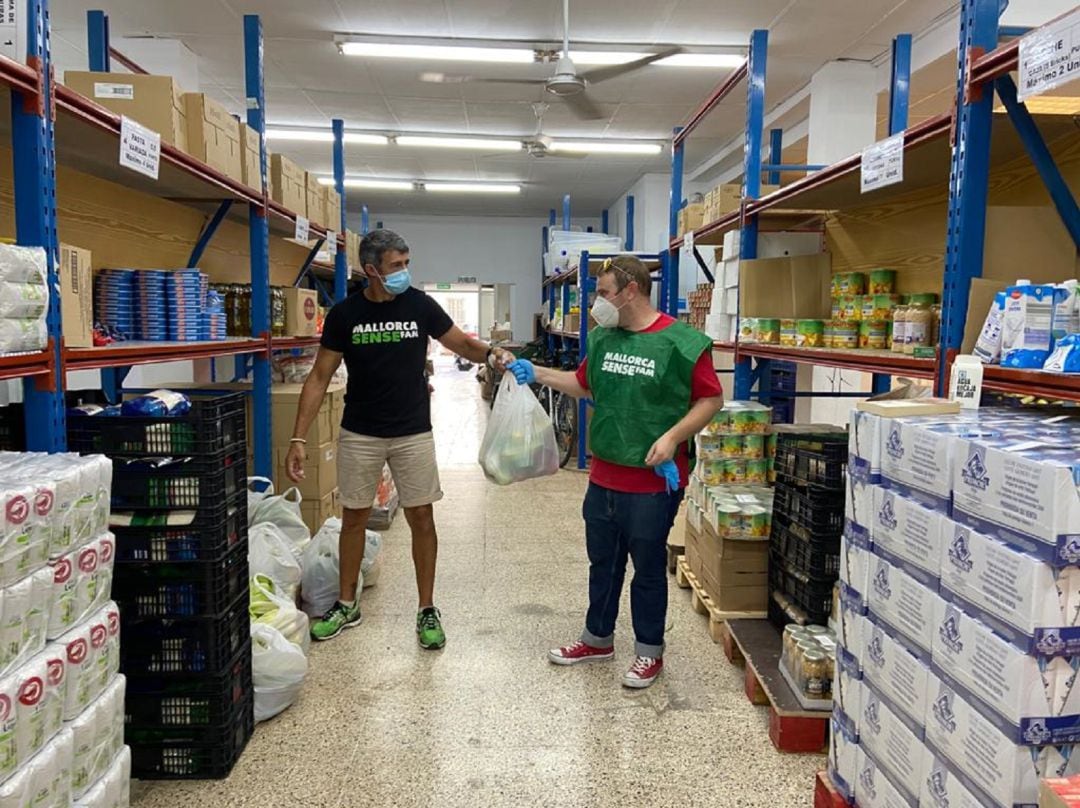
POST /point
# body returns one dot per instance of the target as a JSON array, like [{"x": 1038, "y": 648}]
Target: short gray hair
[{"x": 377, "y": 243}]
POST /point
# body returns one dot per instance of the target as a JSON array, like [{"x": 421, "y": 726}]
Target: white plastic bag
[
  {"x": 282, "y": 510},
  {"x": 321, "y": 562},
  {"x": 278, "y": 669},
  {"x": 519, "y": 443},
  {"x": 271, "y": 553},
  {"x": 254, "y": 496},
  {"x": 370, "y": 567},
  {"x": 272, "y": 608}
]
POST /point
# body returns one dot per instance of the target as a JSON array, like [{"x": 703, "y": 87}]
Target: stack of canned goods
[{"x": 736, "y": 448}]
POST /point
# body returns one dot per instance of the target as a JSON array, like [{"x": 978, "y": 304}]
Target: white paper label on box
[
  {"x": 252, "y": 103},
  {"x": 303, "y": 228},
  {"x": 331, "y": 243},
  {"x": 10, "y": 16},
  {"x": 883, "y": 163},
  {"x": 140, "y": 148},
  {"x": 1050, "y": 56},
  {"x": 104, "y": 89}
]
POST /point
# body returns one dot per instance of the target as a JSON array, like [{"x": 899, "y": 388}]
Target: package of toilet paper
[{"x": 82, "y": 583}]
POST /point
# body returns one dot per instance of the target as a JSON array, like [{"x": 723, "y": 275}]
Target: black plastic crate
[
  {"x": 809, "y": 466},
  {"x": 816, "y": 557},
  {"x": 819, "y": 512},
  {"x": 178, "y": 482},
  {"x": 12, "y": 428},
  {"x": 180, "y": 589},
  {"x": 203, "y": 535},
  {"x": 214, "y": 424},
  {"x": 811, "y": 595},
  {"x": 202, "y": 700},
  {"x": 197, "y": 645},
  {"x": 190, "y": 753}
]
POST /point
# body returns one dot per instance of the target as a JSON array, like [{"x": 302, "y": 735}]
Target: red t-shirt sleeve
[
  {"x": 704, "y": 382},
  {"x": 580, "y": 373}
]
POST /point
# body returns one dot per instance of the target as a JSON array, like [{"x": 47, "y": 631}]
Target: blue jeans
[{"x": 618, "y": 526}]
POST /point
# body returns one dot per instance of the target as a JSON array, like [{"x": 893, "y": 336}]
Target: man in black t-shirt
[{"x": 382, "y": 334}]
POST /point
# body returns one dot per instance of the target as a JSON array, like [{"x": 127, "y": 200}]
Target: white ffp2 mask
[{"x": 605, "y": 313}]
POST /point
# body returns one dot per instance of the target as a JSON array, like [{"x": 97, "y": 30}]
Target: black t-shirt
[{"x": 385, "y": 347}]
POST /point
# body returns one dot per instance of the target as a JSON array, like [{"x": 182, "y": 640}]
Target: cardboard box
[
  {"x": 875, "y": 788},
  {"x": 320, "y": 470},
  {"x": 1003, "y": 682},
  {"x": 154, "y": 101},
  {"x": 352, "y": 250},
  {"x": 790, "y": 287},
  {"x": 332, "y": 208},
  {"x": 214, "y": 135},
  {"x": 284, "y": 402},
  {"x": 897, "y": 748},
  {"x": 1060, "y": 792},
  {"x": 249, "y": 157},
  {"x": 691, "y": 217},
  {"x": 288, "y": 184},
  {"x": 76, "y": 297},
  {"x": 899, "y": 676},
  {"x": 317, "y": 511},
  {"x": 735, "y": 571},
  {"x": 843, "y": 758},
  {"x": 316, "y": 200},
  {"x": 908, "y": 533},
  {"x": 336, "y": 393},
  {"x": 856, "y": 562},
  {"x": 301, "y": 312},
  {"x": 904, "y": 606}
]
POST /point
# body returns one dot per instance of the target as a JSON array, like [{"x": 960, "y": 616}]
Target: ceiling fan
[{"x": 567, "y": 83}]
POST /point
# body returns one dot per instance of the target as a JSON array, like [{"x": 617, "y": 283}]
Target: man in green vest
[{"x": 652, "y": 381}]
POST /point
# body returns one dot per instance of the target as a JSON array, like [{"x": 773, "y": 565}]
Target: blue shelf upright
[
  {"x": 260, "y": 249},
  {"x": 341, "y": 257},
  {"x": 34, "y": 151}
]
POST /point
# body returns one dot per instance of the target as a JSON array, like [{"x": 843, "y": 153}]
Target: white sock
[{"x": 348, "y": 603}]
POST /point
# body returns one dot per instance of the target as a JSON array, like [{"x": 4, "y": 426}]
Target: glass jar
[
  {"x": 918, "y": 327},
  {"x": 900, "y": 314},
  {"x": 816, "y": 681},
  {"x": 935, "y": 336},
  {"x": 277, "y": 311}
]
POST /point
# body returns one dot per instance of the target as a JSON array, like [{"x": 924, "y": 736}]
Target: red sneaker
[
  {"x": 578, "y": 652},
  {"x": 643, "y": 672}
]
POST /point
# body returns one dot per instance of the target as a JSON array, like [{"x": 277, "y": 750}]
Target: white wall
[{"x": 491, "y": 249}]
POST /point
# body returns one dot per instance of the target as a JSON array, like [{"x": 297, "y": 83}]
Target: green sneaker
[
  {"x": 339, "y": 618},
  {"x": 429, "y": 630}
]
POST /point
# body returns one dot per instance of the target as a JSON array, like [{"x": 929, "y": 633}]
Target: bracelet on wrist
[{"x": 298, "y": 440}]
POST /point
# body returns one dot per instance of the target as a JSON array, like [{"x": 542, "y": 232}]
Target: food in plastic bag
[
  {"x": 23, "y": 335},
  {"x": 519, "y": 443},
  {"x": 271, "y": 553},
  {"x": 278, "y": 669},
  {"x": 24, "y": 301},
  {"x": 39, "y": 704},
  {"x": 82, "y": 583},
  {"x": 321, "y": 580},
  {"x": 270, "y": 607},
  {"x": 22, "y": 264},
  {"x": 113, "y": 790},
  {"x": 255, "y": 495},
  {"x": 157, "y": 404},
  {"x": 282, "y": 510}
]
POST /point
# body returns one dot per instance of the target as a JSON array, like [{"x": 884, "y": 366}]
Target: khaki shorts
[{"x": 412, "y": 463}]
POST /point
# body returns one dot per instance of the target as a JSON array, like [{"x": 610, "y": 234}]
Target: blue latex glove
[
  {"x": 524, "y": 371},
  {"x": 670, "y": 472}
]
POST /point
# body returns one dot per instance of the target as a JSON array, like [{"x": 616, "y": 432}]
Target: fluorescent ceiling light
[
  {"x": 678, "y": 60},
  {"x": 600, "y": 146},
  {"x": 472, "y": 187},
  {"x": 447, "y": 53},
  {"x": 485, "y": 144},
  {"x": 324, "y": 136},
  {"x": 375, "y": 185}
]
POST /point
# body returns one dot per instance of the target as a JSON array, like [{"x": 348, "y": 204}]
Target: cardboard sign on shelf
[
  {"x": 1048, "y": 56},
  {"x": 331, "y": 243},
  {"x": 303, "y": 229},
  {"x": 882, "y": 164},
  {"x": 140, "y": 148}
]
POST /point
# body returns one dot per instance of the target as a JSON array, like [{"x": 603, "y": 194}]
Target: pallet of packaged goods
[
  {"x": 179, "y": 497},
  {"x": 61, "y": 649},
  {"x": 702, "y": 604},
  {"x": 957, "y": 621}
]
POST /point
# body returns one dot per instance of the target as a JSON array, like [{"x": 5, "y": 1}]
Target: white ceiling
[{"x": 309, "y": 83}]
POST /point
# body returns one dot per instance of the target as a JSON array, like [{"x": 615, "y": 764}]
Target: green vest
[{"x": 640, "y": 384}]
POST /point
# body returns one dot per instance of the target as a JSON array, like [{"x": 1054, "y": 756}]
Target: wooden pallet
[
  {"x": 703, "y": 604},
  {"x": 757, "y": 643},
  {"x": 673, "y": 553}
]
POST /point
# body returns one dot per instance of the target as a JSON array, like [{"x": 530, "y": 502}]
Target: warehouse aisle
[{"x": 487, "y": 721}]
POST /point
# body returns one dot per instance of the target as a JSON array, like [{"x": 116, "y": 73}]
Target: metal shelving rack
[
  {"x": 930, "y": 160},
  {"x": 47, "y": 117}
]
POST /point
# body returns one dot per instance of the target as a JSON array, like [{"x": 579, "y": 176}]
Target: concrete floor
[{"x": 487, "y": 721}]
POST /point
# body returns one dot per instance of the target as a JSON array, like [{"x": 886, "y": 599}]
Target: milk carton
[
  {"x": 1030, "y": 700},
  {"x": 898, "y": 677},
  {"x": 943, "y": 786},
  {"x": 988, "y": 345},
  {"x": 908, "y": 534},
  {"x": 903, "y": 605},
  {"x": 874, "y": 788},
  {"x": 1029, "y": 602},
  {"x": 1027, "y": 325},
  {"x": 1006, "y": 774},
  {"x": 1023, "y": 494},
  {"x": 843, "y": 758}
]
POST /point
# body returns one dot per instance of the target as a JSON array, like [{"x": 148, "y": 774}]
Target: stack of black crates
[
  {"x": 179, "y": 512},
  {"x": 808, "y": 520}
]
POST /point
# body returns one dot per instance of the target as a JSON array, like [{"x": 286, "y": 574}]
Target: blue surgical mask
[{"x": 396, "y": 283}]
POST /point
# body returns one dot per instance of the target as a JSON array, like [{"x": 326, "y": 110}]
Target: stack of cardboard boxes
[{"x": 959, "y": 611}]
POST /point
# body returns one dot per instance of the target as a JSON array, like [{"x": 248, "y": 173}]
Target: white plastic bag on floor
[
  {"x": 370, "y": 567},
  {"x": 272, "y": 554},
  {"x": 258, "y": 489},
  {"x": 278, "y": 669},
  {"x": 519, "y": 443},
  {"x": 282, "y": 510},
  {"x": 321, "y": 564},
  {"x": 270, "y": 607}
]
